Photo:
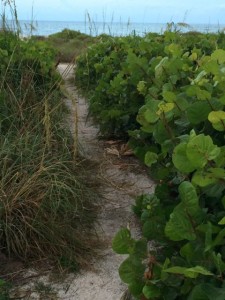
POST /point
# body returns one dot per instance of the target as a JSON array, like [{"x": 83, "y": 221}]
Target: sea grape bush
[
  {"x": 111, "y": 70},
  {"x": 186, "y": 259},
  {"x": 186, "y": 219},
  {"x": 174, "y": 89}
]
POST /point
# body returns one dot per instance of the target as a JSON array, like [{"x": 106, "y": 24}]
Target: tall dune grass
[{"x": 47, "y": 202}]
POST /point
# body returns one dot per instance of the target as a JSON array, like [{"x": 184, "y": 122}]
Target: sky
[{"x": 144, "y": 11}]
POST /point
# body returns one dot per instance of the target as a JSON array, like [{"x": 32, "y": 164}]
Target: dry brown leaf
[
  {"x": 112, "y": 151},
  {"x": 128, "y": 153},
  {"x": 125, "y": 150}
]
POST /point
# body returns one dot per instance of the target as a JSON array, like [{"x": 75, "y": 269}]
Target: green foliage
[
  {"x": 69, "y": 43},
  {"x": 132, "y": 269},
  {"x": 122, "y": 74},
  {"x": 113, "y": 69},
  {"x": 68, "y": 34},
  {"x": 167, "y": 92},
  {"x": 180, "y": 226}
]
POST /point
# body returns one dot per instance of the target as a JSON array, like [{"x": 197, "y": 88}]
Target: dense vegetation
[
  {"x": 69, "y": 44},
  {"x": 46, "y": 210},
  {"x": 166, "y": 93}
]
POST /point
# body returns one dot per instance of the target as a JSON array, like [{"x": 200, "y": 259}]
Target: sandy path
[{"x": 121, "y": 182}]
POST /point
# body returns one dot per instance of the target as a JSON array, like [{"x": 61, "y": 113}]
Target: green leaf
[
  {"x": 3, "y": 53},
  {"x": 207, "y": 291},
  {"x": 219, "y": 240},
  {"x": 149, "y": 111},
  {"x": 214, "y": 191},
  {"x": 223, "y": 202},
  {"x": 201, "y": 150},
  {"x": 140, "y": 249},
  {"x": 179, "y": 226},
  {"x": 189, "y": 198},
  {"x": 222, "y": 221},
  {"x": 187, "y": 251},
  {"x": 189, "y": 272},
  {"x": 220, "y": 160},
  {"x": 217, "y": 118},
  {"x": 169, "y": 96},
  {"x": 203, "y": 95},
  {"x": 174, "y": 49},
  {"x": 217, "y": 173},
  {"x": 151, "y": 291},
  {"x": 198, "y": 112},
  {"x": 222, "y": 99},
  {"x": 218, "y": 55},
  {"x": 131, "y": 272},
  {"x": 192, "y": 90},
  {"x": 154, "y": 227},
  {"x": 180, "y": 159},
  {"x": 122, "y": 242},
  {"x": 181, "y": 105},
  {"x": 141, "y": 87},
  {"x": 203, "y": 178},
  {"x": 185, "y": 215},
  {"x": 165, "y": 107},
  {"x": 150, "y": 158},
  {"x": 193, "y": 56},
  {"x": 219, "y": 263},
  {"x": 160, "y": 133},
  {"x": 159, "y": 69},
  {"x": 136, "y": 289},
  {"x": 208, "y": 235},
  {"x": 212, "y": 67},
  {"x": 200, "y": 78}
]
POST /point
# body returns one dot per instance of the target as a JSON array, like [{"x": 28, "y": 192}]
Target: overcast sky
[{"x": 150, "y": 11}]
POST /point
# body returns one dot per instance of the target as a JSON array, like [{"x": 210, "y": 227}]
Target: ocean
[{"x": 46, "y": 28}]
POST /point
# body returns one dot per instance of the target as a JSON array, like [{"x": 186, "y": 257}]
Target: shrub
[{"x": 175, "y": 85}]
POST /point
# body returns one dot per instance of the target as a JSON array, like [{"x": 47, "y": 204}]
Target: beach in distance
[{"x": 46, "y": 28}]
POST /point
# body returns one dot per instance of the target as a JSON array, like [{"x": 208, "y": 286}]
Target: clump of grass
[
  {"x": 47, "y": 205},
  {"x": 69, "y": 43},
  {"x": 68, "y": 34},
  {"x": 46, "y": 210}
]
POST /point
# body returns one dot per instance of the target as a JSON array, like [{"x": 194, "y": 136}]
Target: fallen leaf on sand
[{"x": 112, "y": 151}]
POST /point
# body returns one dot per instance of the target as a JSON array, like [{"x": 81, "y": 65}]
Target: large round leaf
[
  {"x": 201, "y": 150},
  {"x": 185, "y": 215},
  {"x": 131, "y": 272},
  {"x": 180, "y": 159},
  {"x": 218, "y": 55},
  {"x": 151, "y": 109},
  {"x": 151, "y": 291},
  {"x": 122, "y": 242},
  {"x": 217, "y": 118},
  {"x": 150, "y": 158},
  {"x": 203, "y": 178},
  {"x": 198, "y": 112}
]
